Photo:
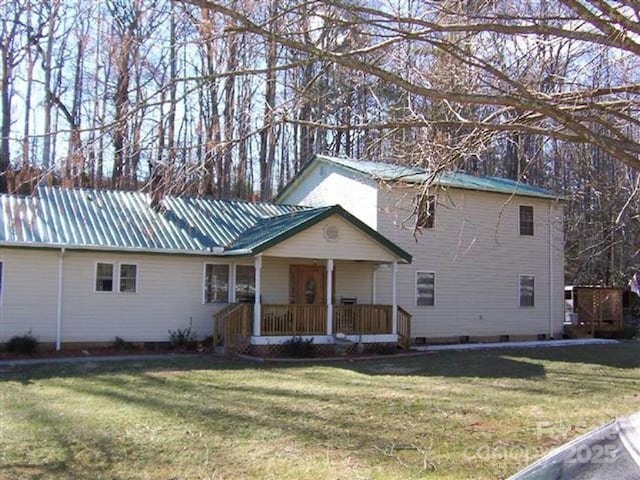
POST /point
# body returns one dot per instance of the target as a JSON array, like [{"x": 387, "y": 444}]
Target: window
[
  {"x": 527, "y": 290},
  {"x": 216, "y": 283},
  {"x": 126, "y": 280},
  {"x": 104, "y": 277},
  {"x": 425, "y": 289},
  {"x": 425, "y": 211},
  {"x": 1, "y": 279},
  {"x": 128, "y": 277},
  {"x": 245, "y": 284},
  {"x": 526, "y": 220}
]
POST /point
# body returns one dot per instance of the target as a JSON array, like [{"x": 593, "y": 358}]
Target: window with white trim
[
  {"x": 116, "y": 277},
  {"x": 425, "y": 289},
  {"x": 526, "y": 220},
  {"x": 128, "y": 278},
  {"x": 245, "y": 283},
  {"x": 527, "y": 290},
  {"x": 104, "y": 277},
  {"x": 216, "y": 283}
]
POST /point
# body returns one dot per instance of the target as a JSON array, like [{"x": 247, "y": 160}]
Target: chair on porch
[{"x": 347, "y": 315}]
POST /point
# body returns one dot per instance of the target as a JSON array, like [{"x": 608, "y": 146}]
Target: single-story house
[{"x": 84, "y": 266}]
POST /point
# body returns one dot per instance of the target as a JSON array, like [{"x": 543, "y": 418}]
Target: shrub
[
  {"x": 183, "y": 338},
  {"x": 299, "y": 347},
  {"x": 122, "y": 345},
  {"x": 207, "y": 342},
  {"x": 629, "y": 332},
  {"x": 26, "y": 344},
  {"x": 386, "y": 349}
]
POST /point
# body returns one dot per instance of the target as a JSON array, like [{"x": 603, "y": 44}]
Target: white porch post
[
  {"x": 256, "y": 305},
  {"x": 394, "y": 299},
  {"x": 329, "y": 296},
  {"x": 374, "y": 288},
  {"x": 232, "y": 283}
]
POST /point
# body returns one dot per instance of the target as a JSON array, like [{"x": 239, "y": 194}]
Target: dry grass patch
[{"x": 450, "y": 415}]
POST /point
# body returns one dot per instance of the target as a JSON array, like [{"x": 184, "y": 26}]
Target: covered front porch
[
  {"x": 311, "y": 278},
  {"x": 328, "y": 300}
]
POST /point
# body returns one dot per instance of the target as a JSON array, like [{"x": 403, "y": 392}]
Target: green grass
[{"x": 449, "y": 415}]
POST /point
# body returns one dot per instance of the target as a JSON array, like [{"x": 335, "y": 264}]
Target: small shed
[{"x": 595, "y": 310}]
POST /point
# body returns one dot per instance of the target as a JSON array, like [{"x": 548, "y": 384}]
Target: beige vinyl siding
[
  {"x": 29, "y": 297},
  {"x": 275, "y": 279},
  {"x": 352, "y": 244},
  {"x": 329, "y": 184},
  {"x": 170, "y": 290},
  {"x": 169, "y": 296},
  {"x": 477, "y": 254},
  {"x": 354, "y": 279}
]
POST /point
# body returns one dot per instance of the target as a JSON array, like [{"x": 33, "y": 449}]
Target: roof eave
[
  {"x": 295, "y": 180},
  {"x": 516, "y": 193},
  {"x": 217, "y": 251},
  {"x": 238, "y": 252},
  {"x": 398, "y": 181},
  {"x": 298, "y": 177}
]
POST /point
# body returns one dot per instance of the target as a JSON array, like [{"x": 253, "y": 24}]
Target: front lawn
[{"x": 447, "y": 415}]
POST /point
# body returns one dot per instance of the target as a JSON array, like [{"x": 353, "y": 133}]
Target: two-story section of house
[{"x": 488, "y": 253}]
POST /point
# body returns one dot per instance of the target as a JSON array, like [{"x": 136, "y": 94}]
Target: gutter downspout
[
  {"x": 551, "y": 289},
  {"x": 59, "y": 310}
]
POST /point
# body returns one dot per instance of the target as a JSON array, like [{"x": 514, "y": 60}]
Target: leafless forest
[{"x": 230, "y": 98}]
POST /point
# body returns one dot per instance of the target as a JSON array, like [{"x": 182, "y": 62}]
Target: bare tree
[
  {"x": 11, "y": 45},
  {"x": 576, "y": 113}
]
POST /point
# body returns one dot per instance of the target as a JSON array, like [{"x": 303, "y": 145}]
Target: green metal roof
[
  {"x": 402, "y": 173},
  {"x": 118, "y": 220},
  {"x": 268, "y": 232},
  {"x": 126, "y": 220}
]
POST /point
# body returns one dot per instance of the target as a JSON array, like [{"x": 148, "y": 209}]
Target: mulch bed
[{"x": 94, "y": 352}]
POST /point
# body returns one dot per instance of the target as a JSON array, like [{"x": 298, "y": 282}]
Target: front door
[{"x": 307, "y": 284}]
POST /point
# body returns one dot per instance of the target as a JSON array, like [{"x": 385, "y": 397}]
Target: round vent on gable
[{"x": 331, "y": 233}]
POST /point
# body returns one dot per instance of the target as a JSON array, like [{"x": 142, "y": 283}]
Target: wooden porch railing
[
  {"x": 233, "y": 324},
  {"x": 362, "y": 319},
  {"x": 218, "y": 323},
  {"x": 404, "y": 328},
  {"x": 293, "y": 319},
  {"x": 232, "y": 327}
]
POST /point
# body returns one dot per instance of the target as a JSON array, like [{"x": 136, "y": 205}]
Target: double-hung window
[
  {"x": 245, "y": 283},
  {"x": 527, "y": 290},
  {"x": 425, "y": 289},
  {"x": 128, "y": 277},
  {"x": 114, "y": 277},
  {"x": 216, "y": 283},
  {"x": 526, "y": 220},
  {"x": 104, "y": 277}
]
